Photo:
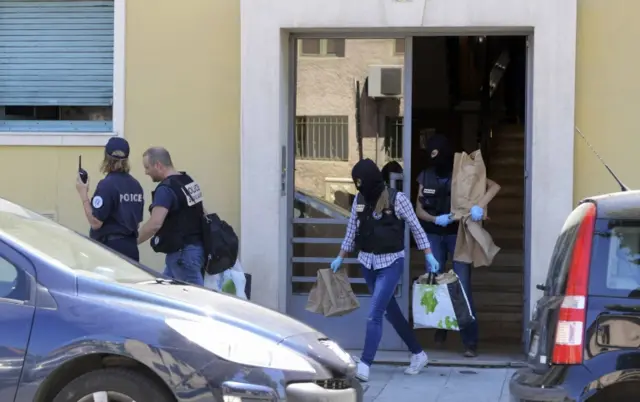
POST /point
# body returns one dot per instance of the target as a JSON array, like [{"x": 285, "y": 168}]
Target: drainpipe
[
  {"x": 378, "y": 125},
  {"x": 358, "y": 122}
]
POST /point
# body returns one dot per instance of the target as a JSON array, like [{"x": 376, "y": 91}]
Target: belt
[{"x": 118, "y": 237}]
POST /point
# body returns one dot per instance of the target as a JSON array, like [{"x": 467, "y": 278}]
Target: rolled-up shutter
[{"x": 56, "y": 52}]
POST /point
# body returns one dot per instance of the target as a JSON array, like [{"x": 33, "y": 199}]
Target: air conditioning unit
[{"x": 385, "y": 81}]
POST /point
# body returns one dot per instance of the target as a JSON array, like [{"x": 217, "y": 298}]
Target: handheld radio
[{"x": 84, "y": 176}]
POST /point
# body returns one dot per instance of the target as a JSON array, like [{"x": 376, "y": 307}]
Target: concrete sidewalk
[{"x": 438, "y": 384}]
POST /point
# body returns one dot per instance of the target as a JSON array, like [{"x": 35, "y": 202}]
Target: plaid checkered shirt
[{"x": 404, "y": 210}]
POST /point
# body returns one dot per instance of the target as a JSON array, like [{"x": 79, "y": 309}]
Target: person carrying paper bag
[
  {"x": 376, "y": 228},
  {"x": 434, "y": 209}
]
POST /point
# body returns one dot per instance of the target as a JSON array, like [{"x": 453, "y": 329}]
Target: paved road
[{"x": 438, "y": 384}]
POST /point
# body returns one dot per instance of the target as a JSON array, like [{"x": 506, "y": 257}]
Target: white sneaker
[
  {"x": 418, "y": 362},
  {"x": 362, "y": 372}
]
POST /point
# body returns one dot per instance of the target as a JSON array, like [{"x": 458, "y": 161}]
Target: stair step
[
  {"x": 487, "y": 300},
  {"x": 502, "y": 174},
  {"x": 504, "y": 224},
  {"x": 510, "y": 143},
  {"x": 510, "y": 161},
  {"x": 505, "y": 204},
  {"x": 501, "y": 218},
  {"x": 512, "y": 244},
  {"x": 511, "y": 136},
  {"x": 512, "y": 191},
  {"x": 509, "y": 186},
  {"x": 509, "y": 151},
  {"x": 504, "y": 282},
  {"x": 505, "y": 259},
  {"x": 509, "y": 129},
  {"x": 496, "y": 215},
  {"x": 510, "y": 181},
  {"x": 501, "y": 233}
]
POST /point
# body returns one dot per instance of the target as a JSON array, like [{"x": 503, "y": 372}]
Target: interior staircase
[{"x": 498, "y": 290}]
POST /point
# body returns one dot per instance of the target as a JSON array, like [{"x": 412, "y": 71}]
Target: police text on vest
[
  {"x": 195, "y": 194},
  {"x": 130, "y": 197}
]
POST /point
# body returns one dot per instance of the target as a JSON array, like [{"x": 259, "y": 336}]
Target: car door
[
  {"x": 17, "y": 309},
  {"x": 613, "y": 315}
]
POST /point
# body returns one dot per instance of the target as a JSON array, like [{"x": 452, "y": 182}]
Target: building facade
[
  {"x": 171, "y": 78},
  {"x": 172, "y": 75}
]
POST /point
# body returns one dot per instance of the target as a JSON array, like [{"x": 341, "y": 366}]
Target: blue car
[{"x": 79, "y": 323}]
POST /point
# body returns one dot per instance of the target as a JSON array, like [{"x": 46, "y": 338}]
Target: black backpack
[{"x": 221, "y": 244}]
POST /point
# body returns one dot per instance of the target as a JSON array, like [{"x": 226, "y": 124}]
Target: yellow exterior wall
[
  {"x": 607, "y": 95},
  {"x": 182, "y": 92}
]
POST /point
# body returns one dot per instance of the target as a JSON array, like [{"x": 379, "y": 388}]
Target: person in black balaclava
[
  {"x": 376, "y": 230},
  {"x": 368, "y": 180},
  {"x": 433, "y": 207}
]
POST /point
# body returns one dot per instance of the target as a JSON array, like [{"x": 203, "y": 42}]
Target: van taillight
[{"x": 568, "y": 347}]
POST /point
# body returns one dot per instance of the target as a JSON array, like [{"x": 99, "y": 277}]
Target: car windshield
[{"x": 64, "y": 247}]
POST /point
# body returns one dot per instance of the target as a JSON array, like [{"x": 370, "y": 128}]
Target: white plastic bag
[
  {"x": 233, "y": 275},
  {"x": 432, "y": 307}
]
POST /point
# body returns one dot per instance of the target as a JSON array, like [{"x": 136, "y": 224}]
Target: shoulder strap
[
  {"x": 172, "y": 179},
  {"x": 393, "y": 193},
  {"x": 423, "y": 182}
]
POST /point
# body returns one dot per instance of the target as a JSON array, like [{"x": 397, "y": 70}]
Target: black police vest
[
  {"x": 184, "y": 225},
  {"x": 379, "y": 236},
  {"x": 436, "y": 200}
]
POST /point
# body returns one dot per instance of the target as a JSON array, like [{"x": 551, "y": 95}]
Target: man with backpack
[{"x": 177, "y": 215}]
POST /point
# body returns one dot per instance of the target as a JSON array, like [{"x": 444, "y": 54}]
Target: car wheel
[{"x": 113, "y": 385}]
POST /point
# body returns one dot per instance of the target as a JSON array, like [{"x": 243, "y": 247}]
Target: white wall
[{"x": 265, "y": 101}]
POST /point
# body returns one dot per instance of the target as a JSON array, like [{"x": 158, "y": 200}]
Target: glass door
[{"x": 349, "y": 104}]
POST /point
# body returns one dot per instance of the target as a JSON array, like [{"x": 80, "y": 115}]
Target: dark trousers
[
  {"x": 127, "y": 246},
  {"x": 443, "y": 247}
]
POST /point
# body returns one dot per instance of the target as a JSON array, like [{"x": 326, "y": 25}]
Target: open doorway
[
  {"x": 351, "y": 102},
  {"x": 473, "y": 90}
]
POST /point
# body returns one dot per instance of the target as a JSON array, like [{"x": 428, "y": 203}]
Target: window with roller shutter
[{"x": 56, "y": 65}]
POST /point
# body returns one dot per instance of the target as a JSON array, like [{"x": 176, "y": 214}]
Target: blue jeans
[
  {"x": 382, "y": 285},
  {"x": 186, "y": 264},
  {"x": 443, "y": 248}
]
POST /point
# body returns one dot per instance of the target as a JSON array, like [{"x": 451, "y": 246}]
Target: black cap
[{"x": 117, "y": 147}]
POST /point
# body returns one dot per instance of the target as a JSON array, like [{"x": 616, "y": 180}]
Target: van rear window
[
  {"x": 615, "y": 261},
  {"x": 562, "y": 252}
]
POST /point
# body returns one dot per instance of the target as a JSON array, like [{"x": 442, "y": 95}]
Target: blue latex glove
[
  {"x": 432, "y": 264},
  {"x": 335, "y": 264},
  {"x": 476, "y": 213},
  {"x": 443, "y": 220}
]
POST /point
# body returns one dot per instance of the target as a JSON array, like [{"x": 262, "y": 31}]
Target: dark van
[{"x": 584, "y": 335}]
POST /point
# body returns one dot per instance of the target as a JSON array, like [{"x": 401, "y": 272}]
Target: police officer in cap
[
  {"x": 175, "y": 225},
  {"x": 433, "y": 208},
  {"x": 116, "y": 208}
]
